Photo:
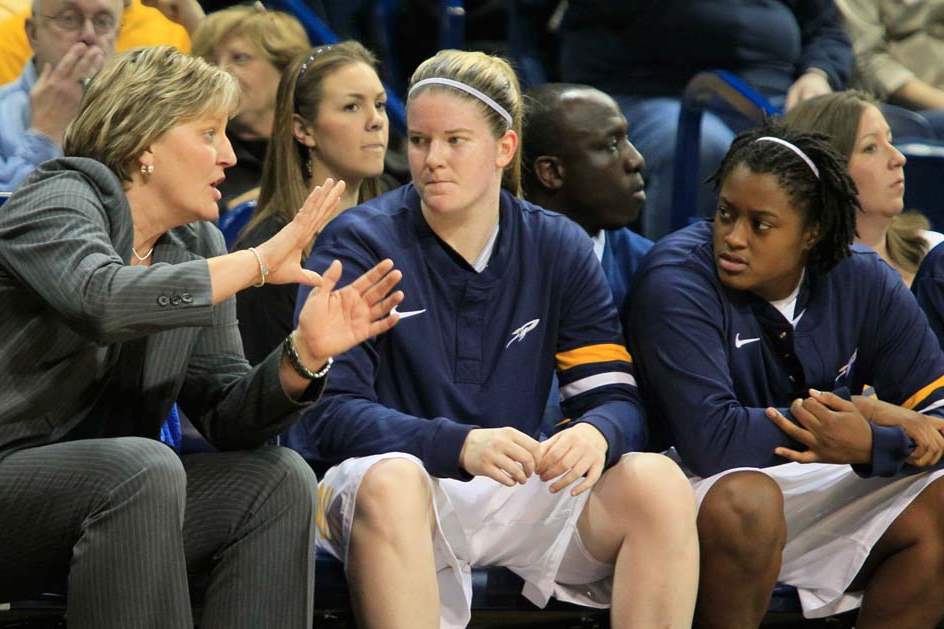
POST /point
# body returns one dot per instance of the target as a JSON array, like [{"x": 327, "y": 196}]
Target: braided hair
[{"x": 829, "y": 200}]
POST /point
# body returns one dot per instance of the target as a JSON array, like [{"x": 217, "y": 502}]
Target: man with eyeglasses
[{"x": 70, "y": 40}]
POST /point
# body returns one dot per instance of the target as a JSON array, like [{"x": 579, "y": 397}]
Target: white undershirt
[
  {"x": 481, "y": 262},
  {"x": 787, "y": 305},
  {"x": 599, "y": 243},
  {"x": 932, "y": 238}
]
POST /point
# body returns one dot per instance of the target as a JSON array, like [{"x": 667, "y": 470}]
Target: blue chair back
[
  {"x": 705, "y": 88},
  {"x": 321, "y": 33},
  {"x": 924, "y": 172},
  {"x": 170, "y": 429},
  {"x": 232, "y": 222},
  {"x": 452, "y": 24}
]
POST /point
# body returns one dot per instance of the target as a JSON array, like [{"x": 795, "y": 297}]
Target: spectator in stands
[
  {"x": 69, "y": 42},
  {"x": 898, "y": 47},
  {"x": 255, "y": 46},
  {"x": 644, "y": 53},
  {"x": 578, "y": 161},
  {"x": 115, "y": 301},
  {"x": 858, "y": 131},
  {"x": 331, "y": 121},
  {"x": 756, "y": 329},
  {"x": 500, "y": 292},
  {"x": 143, "y": 23}
]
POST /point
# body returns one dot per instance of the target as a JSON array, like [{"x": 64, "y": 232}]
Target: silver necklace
[{"x": 140, "y": 257}]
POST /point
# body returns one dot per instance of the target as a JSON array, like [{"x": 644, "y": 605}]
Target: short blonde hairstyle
[
  {"x": 140, "y": 95},
  {"x": 278, "y": 36},
  {"x": 494, "y": 77}
]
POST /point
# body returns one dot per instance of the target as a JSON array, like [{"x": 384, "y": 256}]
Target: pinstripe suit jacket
[{"x": 69, "y": 298}]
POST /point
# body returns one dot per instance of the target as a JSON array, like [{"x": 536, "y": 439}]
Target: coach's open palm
[{"x": 333, "y": 321}]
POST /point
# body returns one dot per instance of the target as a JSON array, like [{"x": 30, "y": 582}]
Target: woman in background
[
  {"x": 858, "y": 131},
  {"x": 255, "y": 46},
  {"x": 856, "y": 128},
  {"x": 331, "y": 122}
]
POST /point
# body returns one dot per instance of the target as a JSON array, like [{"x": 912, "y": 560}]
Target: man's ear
[
  {"x": 30, "y": 27},
  {"x": 550, "y": 171}
]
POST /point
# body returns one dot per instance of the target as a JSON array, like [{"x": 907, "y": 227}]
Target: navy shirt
[
  {"x": 623, "y": 252},
  {"x": 653, "y": 47},
  {"x": 480, "y": 349},
  {"x": 928, "y": 288},
  {"x": 711, "y": 359}
]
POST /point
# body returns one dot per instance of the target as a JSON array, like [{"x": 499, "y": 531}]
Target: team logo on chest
[
  {"x": 845, "y": 369},
  {"x": 520, "y": 333}
]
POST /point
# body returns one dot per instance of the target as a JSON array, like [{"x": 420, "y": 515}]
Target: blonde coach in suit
[{"x": 116, "y": 299}]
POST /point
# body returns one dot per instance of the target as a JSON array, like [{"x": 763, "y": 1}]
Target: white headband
[
  {"x": 468, "y": 89},
  {"x": 793, "y": 148}
]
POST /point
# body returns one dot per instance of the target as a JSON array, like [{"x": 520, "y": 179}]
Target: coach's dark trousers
[{"x": 125, "y": 520}]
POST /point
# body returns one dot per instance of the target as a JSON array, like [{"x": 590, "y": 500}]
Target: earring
[
  {"x": 308, "y": 168},
  {"x": 147, "y": 169}
]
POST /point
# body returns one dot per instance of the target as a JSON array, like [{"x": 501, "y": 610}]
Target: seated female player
[
  {"x": 433, "y": 429},
  {"x": 755, "y": 330}
]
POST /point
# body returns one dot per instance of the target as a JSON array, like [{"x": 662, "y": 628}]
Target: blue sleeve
[
  {"x": 826, "y": 44},
  {"x": 348, "y": 420},
  {"x": 680, "y": 353},
  {"x": 928, "y": 289},
  {"x": 21, "y": 149},
  {"x": 907, "y": 369},
  {"x": 594, "y": 368}
]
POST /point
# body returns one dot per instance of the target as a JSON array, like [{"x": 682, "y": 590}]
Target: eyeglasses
[{"x": 71, "y": 21}]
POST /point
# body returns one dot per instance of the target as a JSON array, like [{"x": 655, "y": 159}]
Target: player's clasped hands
[{"x": 509, "y": 456}]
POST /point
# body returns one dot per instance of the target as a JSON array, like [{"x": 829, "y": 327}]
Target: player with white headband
[
  {"x": 754, "y": 336},
  {"x": 434, "y": 430}
]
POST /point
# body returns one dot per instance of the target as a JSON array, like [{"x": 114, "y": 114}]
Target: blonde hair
[
  {"x": 285, "y": 175},
  {"x": 137, "y": 97},
  {"x": 494, "y": 77},
  {"x": 278, "y": 36},
  {"x": 837, "y": 115}
]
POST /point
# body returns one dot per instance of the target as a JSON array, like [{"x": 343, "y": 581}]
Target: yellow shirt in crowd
[{"x": 141, "y": 26}]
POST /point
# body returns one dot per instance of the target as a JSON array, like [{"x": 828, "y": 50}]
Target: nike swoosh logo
[
  {"x": 408, "y": 313},
  {"x": 739, "y": 342}
]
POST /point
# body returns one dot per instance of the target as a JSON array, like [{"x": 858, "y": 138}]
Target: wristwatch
[{"x": 290, "y": 352}]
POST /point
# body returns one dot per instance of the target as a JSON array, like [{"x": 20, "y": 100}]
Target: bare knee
[
  {"x": 393, "y": 495},
  {"x": 922, "y": 524},
  {"x": 651, "y": 487},
  {"x": 742, "y": 516}
]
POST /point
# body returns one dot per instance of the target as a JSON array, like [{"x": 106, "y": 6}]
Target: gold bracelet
[{"x": 263, "y": 269}]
